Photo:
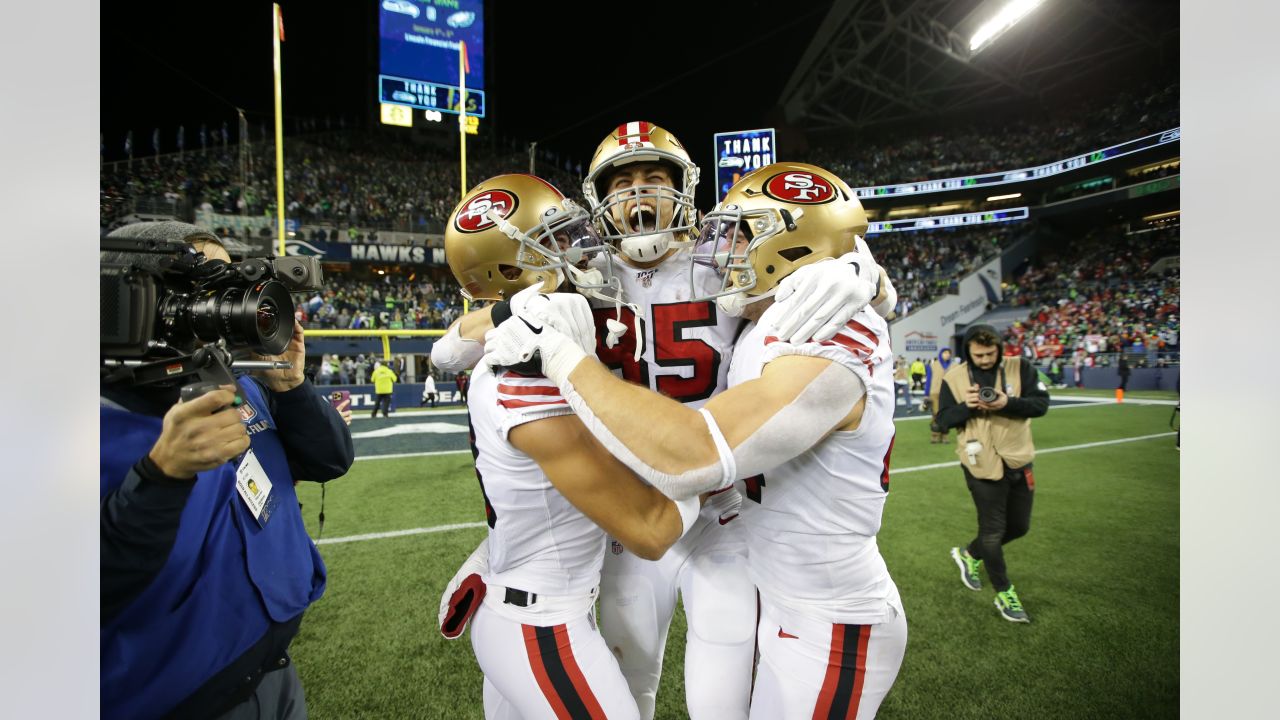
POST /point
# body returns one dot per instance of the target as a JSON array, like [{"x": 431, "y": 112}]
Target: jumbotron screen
[{"x": 418, "y": 53}]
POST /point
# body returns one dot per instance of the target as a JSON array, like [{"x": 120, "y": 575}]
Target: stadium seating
[
  {"x": 935, "y": 152},
  {"x": 346, "y": 179},
  {"x": 1105, "y": 294},
  {"x": 429, "y": 303}
]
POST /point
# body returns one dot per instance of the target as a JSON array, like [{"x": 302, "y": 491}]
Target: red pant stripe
[
  {"x": 846, "y": 671},
  {"x": 558, "y": 674}
]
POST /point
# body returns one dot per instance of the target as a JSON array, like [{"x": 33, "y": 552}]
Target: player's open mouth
[{"x": 642, "y": 219}]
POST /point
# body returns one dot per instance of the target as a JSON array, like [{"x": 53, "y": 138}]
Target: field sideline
[{"x": 1098, "y": 573}]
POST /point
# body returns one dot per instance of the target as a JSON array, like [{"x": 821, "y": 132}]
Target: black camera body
[
  {"x": 988, "y": 394},
  {"x": 160, "y": 299}
]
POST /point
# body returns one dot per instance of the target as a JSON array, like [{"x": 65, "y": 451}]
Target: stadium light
[
  {"x": 1010, "y": 196},
  {"x": 1007, "y": 17}
]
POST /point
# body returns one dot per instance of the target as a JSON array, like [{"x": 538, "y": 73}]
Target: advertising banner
[{"x": 929, "y": 329}]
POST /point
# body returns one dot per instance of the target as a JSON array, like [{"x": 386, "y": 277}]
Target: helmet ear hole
[
  {"x": 795, "y": 253},
  {"x": 510, "y": 272}
]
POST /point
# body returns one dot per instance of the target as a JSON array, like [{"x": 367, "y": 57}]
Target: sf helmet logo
[
  {"x": 475, "y": 216},
  {"x": 800, "y": 187}
]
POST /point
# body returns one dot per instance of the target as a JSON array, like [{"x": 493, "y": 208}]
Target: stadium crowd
[
  {"x": 1111, "y": 299},
  {"x": 927, "y": 264},
  {"x": 348, "y": 179},
  {"x": 374, "y": 181},
  {"x": 351, "y": 303},
  {"x": 907, "y": 155}
]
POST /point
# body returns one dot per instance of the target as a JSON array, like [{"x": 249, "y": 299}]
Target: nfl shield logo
[{"x": 615, "y": 547}]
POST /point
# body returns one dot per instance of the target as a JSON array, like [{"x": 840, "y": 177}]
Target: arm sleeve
[
  {"x": 139, "y": 523},
  {"x": 951, "y": 413},
  {"x": 1035, "y": 398},
  {"x": 316, "y": 441},
  {"x": 524, "y": 398},
  {"x": 452, "y": 352}
]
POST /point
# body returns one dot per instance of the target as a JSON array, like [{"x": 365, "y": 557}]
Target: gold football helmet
[
  {"x": 771, "y": 222},
  {"x": 513, "y": 231},
  {"x": 642, "y": 218}
]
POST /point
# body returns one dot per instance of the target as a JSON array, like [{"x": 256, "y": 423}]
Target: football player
[
  {"x": 808, "y": 424},
  {"x": 551, "y": 491},
  {"x": 640, "y": 187}
]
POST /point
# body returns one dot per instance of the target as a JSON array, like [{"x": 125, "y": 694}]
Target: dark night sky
[{"x": 562, "y": 74}]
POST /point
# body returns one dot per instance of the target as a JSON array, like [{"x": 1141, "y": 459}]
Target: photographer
[
  {"x": 991, "y": 399},
  {"x": 206, "y": 567}
]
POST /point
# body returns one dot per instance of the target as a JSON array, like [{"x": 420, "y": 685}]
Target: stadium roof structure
[{"x": 877, "y": 61}]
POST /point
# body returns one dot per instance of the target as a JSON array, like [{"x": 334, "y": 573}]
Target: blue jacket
[{"x": 191, "y": 583}]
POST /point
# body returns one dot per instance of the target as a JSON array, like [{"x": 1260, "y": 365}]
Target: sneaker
[
  {"x": 1010, "y": 606},
  {"x": 969, "y": 566}
]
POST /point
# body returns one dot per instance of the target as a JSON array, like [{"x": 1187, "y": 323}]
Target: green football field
[{"x": 1098, "y": 573}]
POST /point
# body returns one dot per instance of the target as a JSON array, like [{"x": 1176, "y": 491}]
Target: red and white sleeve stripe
[{"x": 527, "y": 391}]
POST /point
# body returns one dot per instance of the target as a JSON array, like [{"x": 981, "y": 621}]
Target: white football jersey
[
  {"x": 538, "y": 541},
  {"x": 687, "y": 345},
  {"x": 812, "y": 521}
]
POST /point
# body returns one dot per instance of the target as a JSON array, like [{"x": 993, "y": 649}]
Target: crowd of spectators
[
  {"x": 927, "y": 264},
  {"x": 375, "y": 180},
  {"x": 1102, "y": 296},
  {"x": 381, "y": 302},
  {"x": 348, "y": 179},
  {"x": 915, "y": 154}
]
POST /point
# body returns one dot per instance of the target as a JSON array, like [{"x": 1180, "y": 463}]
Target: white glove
[
  {"x": 724, "y": 503},
  {"x": 464, "y": 592},
  {"x": 886, "y": 306},
  {"x": 533, "y": 330},
  {"x": 570, "y": 313},
  {"x": 814, "y": 302}
]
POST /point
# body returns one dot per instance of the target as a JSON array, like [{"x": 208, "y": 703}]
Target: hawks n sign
[
  {"x": 475, "y": 216},
  {"x": 802, "y": 188}
]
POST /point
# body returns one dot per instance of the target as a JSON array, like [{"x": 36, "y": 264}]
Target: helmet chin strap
[
  {"x": 592, "y": 276},
  {"x": 616, "y": 328},
  {"x": 736, "y": 304}
]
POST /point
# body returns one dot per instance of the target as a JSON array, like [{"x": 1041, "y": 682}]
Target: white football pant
[
  {"x": 540, "y": 665},
  {"x": 708, "y": 567},
  {"x": 815, "y": 669}
]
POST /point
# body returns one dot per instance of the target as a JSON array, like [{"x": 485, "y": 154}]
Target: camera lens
[
  {"x": 987, "y": 395},
  {"x": 253, "y": 317},
  {"x": 268, "y": 319}
]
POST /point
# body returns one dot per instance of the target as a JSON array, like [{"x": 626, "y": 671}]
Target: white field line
[
  {"x": 399, "y": 533},
  {"x": 892, "y": 472},
  {"x": 392, "y": 456},
  {"x": 954, "y": 463}
]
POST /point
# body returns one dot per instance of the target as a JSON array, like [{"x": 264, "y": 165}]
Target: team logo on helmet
[
  {"x": 475, "y": 216},
  {"x": 800, "y": 187}
]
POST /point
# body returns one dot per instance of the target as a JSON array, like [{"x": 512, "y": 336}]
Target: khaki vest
[{"x": 1005, "y": 440}]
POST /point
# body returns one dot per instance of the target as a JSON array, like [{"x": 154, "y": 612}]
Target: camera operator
[
  {"x": 206, "y": 567},
  {"x": 991, "y": 399}
]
